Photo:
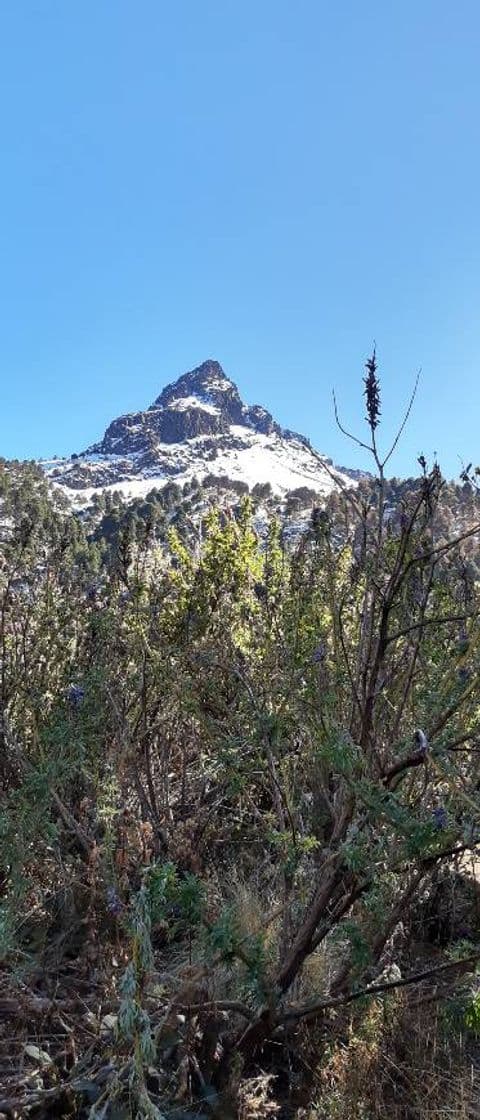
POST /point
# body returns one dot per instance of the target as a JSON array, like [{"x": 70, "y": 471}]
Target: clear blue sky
[{"x": 270, "y": 183}]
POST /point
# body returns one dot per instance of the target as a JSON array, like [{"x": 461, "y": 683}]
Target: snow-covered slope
[{"x": 198, "y": 426}]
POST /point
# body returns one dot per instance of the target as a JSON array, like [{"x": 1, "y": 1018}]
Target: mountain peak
[
  {"x": 206, "y": 380},
  {"x": 197, "y": 426}
]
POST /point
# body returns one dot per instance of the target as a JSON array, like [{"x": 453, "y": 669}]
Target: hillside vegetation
[{"x": 240, "y": 805}]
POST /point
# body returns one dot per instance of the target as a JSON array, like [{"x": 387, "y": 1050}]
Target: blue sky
[{"x": 271, "y": 184}]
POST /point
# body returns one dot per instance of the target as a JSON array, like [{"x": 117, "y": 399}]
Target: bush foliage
[{"x": 235, "y": 780}]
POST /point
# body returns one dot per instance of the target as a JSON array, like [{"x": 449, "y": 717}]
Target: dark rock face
[
  {"x": 143, "y": 430},
  {"x": 208, "y": 383},
  {"x": 202, "y": 402},
  {"x": 261, "y": 421}
]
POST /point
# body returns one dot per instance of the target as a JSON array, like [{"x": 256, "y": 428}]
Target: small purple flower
[
  {"x": 440, "y": 817},
  {"x": 465, "y": 933},
  {"x": 319, "y": 653},
  {"x": 114, "y": 903},
  {"x": 75, "y": 695}
]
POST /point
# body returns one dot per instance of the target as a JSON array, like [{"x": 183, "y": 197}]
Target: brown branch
[
  {"x": 425, "y": 622},
  {"x": 342, "y": 907},
  {"x": 73, "y": 826},
  {"x": 441, "y": 550},
  {"x": 449, "y": 853},
  {"x": 447, "y": 715},
  {"x": 348, "y": 493},
  {"x": 313, "y": 1010},
  {"x": 345, "y": 432},
  {"x": 404, "y": 421},
  {"x": 402, "y": 764},
  {"x": 234, "y": 1006},
  {"x": 302, "y": 945}
]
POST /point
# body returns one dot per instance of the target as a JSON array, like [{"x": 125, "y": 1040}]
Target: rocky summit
[{"x": 198, "y": 426}]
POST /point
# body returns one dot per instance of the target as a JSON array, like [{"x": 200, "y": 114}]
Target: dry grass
[
  {"x": 255, "y": 1100},
  {"x": 398, "y": 1061}
]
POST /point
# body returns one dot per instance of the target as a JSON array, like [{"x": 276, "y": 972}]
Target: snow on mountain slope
[{"x": 198, "y": 426}]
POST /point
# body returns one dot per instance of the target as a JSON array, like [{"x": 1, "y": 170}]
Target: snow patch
[
  {"x": 219, "y": 385},
  {"x": 183, "y": 403}
]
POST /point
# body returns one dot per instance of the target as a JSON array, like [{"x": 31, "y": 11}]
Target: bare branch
[
  {"x": 404, "y": 421},
  {"x": 313, "y": 1010},
  {"x": 345, "y": 432},
  {"x": 425, "y": 622}
]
